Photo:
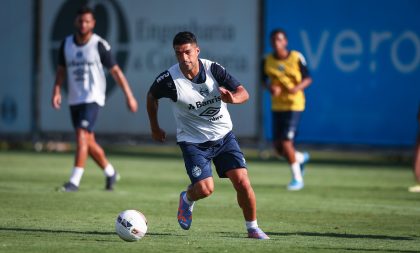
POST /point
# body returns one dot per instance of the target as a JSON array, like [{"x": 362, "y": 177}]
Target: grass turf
[{"x": 343, "y": 208}]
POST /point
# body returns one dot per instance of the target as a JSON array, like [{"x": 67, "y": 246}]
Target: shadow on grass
[
  {"x": 363, "y": 249},
  {"x": 349, "y": 236},
  {"x": 334, "y": 235},
  {"x": 58, "y": 231}
]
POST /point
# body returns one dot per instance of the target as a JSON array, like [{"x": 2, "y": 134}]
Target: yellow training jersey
[{"x": 288, "y": 73}]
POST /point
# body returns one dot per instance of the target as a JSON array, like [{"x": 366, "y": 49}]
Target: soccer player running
[
  {"x": 199, "y": 90},
  {"x": 288, "y": 77},
  {"x": 82, "y": 57}
]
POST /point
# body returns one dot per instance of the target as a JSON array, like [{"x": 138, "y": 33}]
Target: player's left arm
[
  {"x": 109, "y": 62},
  {"x": 306, "y": 78},
  {"x": 239, "y": 96},
  {"x": 231, "y": 91},
  {"x": 119, "y": 77}
]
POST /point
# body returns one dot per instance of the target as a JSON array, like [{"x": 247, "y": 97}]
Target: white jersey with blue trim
[
  {"x": 200, "y": 113},
  {"x": 85, "y": 74}
]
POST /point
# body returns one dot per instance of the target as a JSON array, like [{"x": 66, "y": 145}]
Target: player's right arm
[
  {"x": 273, "y": 86},
  {"x": 163, "y": 86},
  {"x": 158, "y": 134},
  {"x": 59, "y": 79}
]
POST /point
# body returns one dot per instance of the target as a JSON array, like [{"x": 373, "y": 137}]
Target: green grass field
[{"x": 345, "y": 207}]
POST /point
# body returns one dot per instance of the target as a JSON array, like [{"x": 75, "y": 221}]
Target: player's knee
[
  {"x": 82, "y": 137},
  {"x": 243, "y": 185},
  {"x": 205, "y": 190}
]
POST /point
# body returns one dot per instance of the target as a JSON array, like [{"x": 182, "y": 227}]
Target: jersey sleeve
[
  {"x": 164, "y": 87},
  {"x": 303, "y": 67},
  {"x": 61, "y": 57},
  {"x": 105, "y": 54},
  {"x": 223, "y": 77}
]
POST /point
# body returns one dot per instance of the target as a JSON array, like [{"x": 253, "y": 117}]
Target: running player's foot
[
  {"x": 110, "y": 181},
  {"x": 306, "y": 158},
  {"x": 257, "y": 233},
  {"x": 68, "y": 187},
  {"x": 415, "y": 188},
  {"x": 295, "y": 185},
  {"x": 184, "y": 212}
]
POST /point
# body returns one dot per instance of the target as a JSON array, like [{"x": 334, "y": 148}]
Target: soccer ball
[{"x": 131, "y": 225}]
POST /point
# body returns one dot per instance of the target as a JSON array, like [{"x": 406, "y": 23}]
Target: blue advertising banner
[{"x": 364, "y": 58}]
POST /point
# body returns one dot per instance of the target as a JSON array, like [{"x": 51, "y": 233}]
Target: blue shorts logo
[{"x": 196, "y": 171}]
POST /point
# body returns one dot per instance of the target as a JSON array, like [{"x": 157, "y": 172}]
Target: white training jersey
[
  {"x": 199, "y": 111},
  {"x": 85, "y": 74}
]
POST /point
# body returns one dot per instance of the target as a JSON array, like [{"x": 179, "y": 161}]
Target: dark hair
[
  {"x": 85, "y": 10},
  {"x": 182, "y": 38},
  {"x": 276, "y": 31}
]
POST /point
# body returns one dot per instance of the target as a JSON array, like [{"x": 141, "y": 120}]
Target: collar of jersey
[{"x": 201, "y": 76}]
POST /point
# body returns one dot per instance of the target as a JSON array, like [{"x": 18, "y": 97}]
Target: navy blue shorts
[
  {"x": 84, "y": 115},
  {"x": 285, "y": 125},
  {"x": 225, "y": 153}
]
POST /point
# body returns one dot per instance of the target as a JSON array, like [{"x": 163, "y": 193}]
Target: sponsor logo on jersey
[
  {"x": 210, "y": 112},
  {"x": 161, "y": 77},
  {"x": 200, "y": 104}
]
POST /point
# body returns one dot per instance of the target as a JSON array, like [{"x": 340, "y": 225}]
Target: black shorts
[
  {"x": 84, "y": 115},
  {"x": 225, "y": 154},
  {"x": 285, "y": 125}
]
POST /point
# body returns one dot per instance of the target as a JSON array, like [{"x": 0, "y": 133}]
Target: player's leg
[
  {"x": 289, "y": 153},
  {"x": 83, "y": 118},
  {"x": 197, "y": 165},
  {"x": 77, "y": 112},
  {"x": 98, "y": 155},
  {"x": 201, "y": 189},
  {"x": 244, "y": 192},
  {"x": 286, "y": 124},
  {"x": 79, "y": 161},
  {"x": 230, "y": 163},
  {"x": 247, "y": 201},
  {"x": 96, "y": 152}
]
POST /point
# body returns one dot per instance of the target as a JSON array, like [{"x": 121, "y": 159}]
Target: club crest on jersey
[
  {"x": 196, "y": 171},
  {"x": 204, "y": 91},
  {"x": 79, "y": 54},
  {"x": 281, "y": 67}
]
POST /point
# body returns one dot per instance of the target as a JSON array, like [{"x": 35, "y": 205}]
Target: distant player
[
  {"x": 416, "y": 164},
  {"x": 199, "y": 90},
  {"x": 288, "y": 77},
  {"x": 82, "y": 57}
]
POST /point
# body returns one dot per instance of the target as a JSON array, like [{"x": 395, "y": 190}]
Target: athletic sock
[
  {"x": 297, "y": 174},
  {"x": 109, "y": 170},
  {"x": 189, "y": 202},
  {"x": 251, "y": 224},
  {"x": 299, "y": 157},
  {"x": 76, "y": 176}
]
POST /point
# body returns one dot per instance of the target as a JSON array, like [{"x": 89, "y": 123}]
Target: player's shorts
[
  {"x": 225, "y": 153},
  {"x": 285, "y": 125},
  {"x": 84, "y": 115}
]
